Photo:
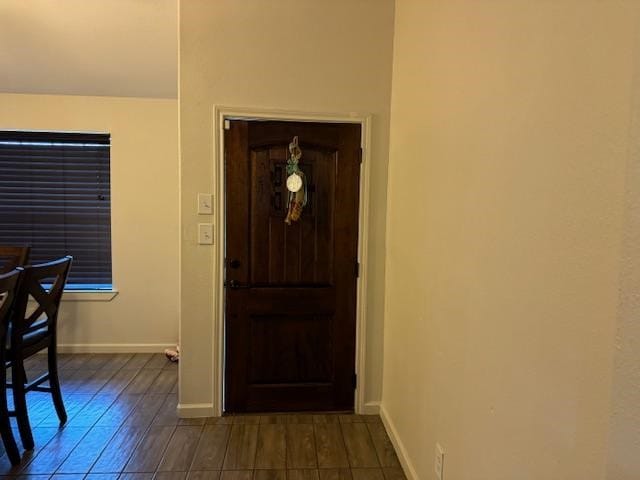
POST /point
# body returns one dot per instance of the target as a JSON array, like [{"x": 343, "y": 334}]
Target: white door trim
[{"x": 222, "y": 113}]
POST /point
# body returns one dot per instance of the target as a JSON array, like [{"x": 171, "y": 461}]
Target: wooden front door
[{"x": 290, "y": 290}]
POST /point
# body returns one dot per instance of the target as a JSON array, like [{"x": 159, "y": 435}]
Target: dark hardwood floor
[{"x": 123, "y": 425}]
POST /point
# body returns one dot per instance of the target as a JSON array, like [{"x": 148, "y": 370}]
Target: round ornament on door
[{"x": 294, "y": 182}]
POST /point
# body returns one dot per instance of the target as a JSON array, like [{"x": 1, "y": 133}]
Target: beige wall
[
  {"x": 510, "y": 127},
  {"x": 330, "y": 56},
  {"x": 124, "y": 48},
  {"x": 144, "y": 215},
  {"x": 623, "y": 461}
]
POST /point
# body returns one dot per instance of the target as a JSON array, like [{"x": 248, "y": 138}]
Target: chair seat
[{"x": 31, "y": 339}]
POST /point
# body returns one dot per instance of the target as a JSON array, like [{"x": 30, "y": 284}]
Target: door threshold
[{"x": 277, "y": 414}]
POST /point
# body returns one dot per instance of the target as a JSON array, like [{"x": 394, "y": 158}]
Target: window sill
[{"x": 89, "y": 295}]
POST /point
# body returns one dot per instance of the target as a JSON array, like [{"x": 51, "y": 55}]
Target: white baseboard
[
  {"x": 371, "y": 408},
  {"x": 195, "y": 410},
  {"x": 113, "y": 347},
  {"x": 407, "y": 466}
]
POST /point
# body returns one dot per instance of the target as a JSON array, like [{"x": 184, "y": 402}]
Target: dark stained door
[{"x": 290, "y": 290}]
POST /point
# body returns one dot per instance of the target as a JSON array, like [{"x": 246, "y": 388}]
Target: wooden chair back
[
  {"x": 44, "y": 283},
  {"x": 9, "y": 283},
  {"x": 12, "y": 257},
  {"x": 9, "y": 287}
]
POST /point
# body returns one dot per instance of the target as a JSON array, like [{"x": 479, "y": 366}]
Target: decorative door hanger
[{"x": 296, "y": 184}]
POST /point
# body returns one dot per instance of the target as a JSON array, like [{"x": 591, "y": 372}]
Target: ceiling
[{"x": 125, "y": 48}]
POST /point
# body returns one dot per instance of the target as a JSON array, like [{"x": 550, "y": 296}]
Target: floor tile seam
[
  {"x": 315, "y": 444},
  {"x": 373, "y": 444},
  {"x": 375, "y": 449},
  {"x": 193, "y": 459},
  {"x": 347, "y": 450},
  {"x": 113, "y": 434},
  {"x": 39, "y": 424},
  {"x": 80, "y": 409},
  {"x": 255, "y": 454},
  {"x": 166, "y": 445},
  {"x": 113, "y": 374},
  {"x": 93, "y": 397},
  {"x": 148, "y": 361},
  {"x": 194, "y": 450},
  {"x": 260, "y": 426},
  {"x": 226, "y": 447},
  {"x": 133, "y": 448},
  {"x": 21, "y": 466},
  {"x": 43, "y": 448},
  {"x": 121, "y": 393},
  {"x": 344, "y": 442},
  {"x": 113, "y": 401},
  {"x": 380, "y": 459},
  {"x": 286, "y": 448}
]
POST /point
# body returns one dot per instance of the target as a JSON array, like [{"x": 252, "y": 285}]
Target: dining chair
[
  {"x": 12, "y": 257},
  {"x": 9, "y": 284},
  {"x": 33, "y": 329}
]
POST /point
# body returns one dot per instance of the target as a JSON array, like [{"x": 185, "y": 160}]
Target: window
[{"x": 55, "y": 196}]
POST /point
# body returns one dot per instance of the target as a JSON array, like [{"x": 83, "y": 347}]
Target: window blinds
[{"x": 55, "y": 196}]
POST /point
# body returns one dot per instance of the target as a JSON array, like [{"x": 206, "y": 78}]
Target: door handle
[{"x": 233, "y": 285}]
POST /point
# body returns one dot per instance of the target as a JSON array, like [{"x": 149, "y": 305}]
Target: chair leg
[
  {"x": 5, "y": 429},
  {"x": 54, "y": 383},
  {"x": 20, "y": 401},
  {"x": 9, "y": 441}
]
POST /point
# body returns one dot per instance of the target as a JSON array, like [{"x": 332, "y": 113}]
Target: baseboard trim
[
  {"x": 407, "y": 466},
  {"x": 195, "y": 410},
  {"x": 113, "y": 347},
  {"x": 371, "y": 408}
]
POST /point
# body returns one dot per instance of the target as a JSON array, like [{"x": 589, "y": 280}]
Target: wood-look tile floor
[{"x": 123, "y": 425}]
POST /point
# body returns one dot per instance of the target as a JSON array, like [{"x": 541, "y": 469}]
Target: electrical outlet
[{"x": 439, "y": 461}]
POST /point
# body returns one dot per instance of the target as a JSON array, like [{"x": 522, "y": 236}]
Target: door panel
[
  {"x": 291, "y": 289},
  {"x": 296, "y": 254},
  {"x": 285, "y": 348}
]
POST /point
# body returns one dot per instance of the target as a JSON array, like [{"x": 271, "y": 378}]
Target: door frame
[{"x": 222, "y": 113}]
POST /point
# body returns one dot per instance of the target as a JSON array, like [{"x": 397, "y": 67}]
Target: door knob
[{"x": 234, "y": 263}]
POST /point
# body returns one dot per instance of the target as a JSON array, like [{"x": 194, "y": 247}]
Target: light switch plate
[
  {"x": 205, "y": 233},
  {"x": 205, "y": 203}
]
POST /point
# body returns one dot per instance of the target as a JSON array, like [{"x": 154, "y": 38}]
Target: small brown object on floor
[{"x": 173, "y": 355}]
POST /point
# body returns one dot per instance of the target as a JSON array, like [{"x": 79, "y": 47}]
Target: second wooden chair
[{"x": 33, "y": 330}]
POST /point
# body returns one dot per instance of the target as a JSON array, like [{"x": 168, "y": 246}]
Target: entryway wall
[
  {"x": 524, "y": 309},
  {"x": 285, "y": 55},
  {"x": 143, "y": 316}
]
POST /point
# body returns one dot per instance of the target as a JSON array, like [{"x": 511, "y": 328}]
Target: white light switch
[
  {"x": 205, "y": 233},
  {"x": 205, "y": 203}
]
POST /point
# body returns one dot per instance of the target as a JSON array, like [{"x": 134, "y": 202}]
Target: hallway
[{"x": 122, "y": 424}]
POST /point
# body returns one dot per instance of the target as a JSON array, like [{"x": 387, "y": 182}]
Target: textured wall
[{"x": 509, "y": 142}]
